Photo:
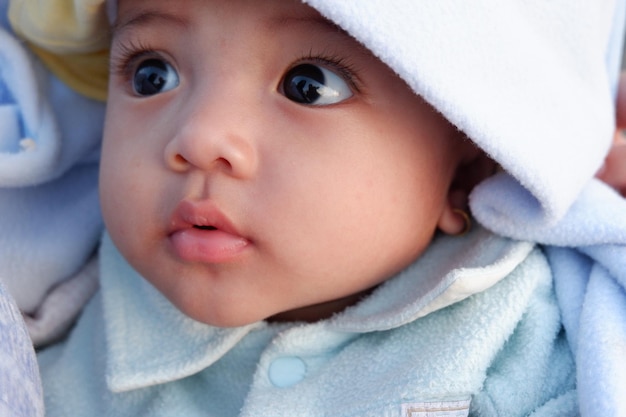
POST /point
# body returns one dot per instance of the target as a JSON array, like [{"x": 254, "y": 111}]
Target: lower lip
[{"x": 207, "y": 246}]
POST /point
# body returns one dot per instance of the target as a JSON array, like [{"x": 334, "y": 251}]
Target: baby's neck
[{"x": 317, "y": 312}]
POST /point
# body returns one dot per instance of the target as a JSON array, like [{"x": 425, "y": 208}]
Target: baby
[
  {"x": 288, "y": 229},
  {"x": 283, "y": 180}
]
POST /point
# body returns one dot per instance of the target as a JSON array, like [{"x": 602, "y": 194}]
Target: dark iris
[
  {"x": 150, "y": 77},
  {"x": 303, "y": 82}
]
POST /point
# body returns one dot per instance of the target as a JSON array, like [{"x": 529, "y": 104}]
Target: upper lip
[{"x": 189, "y": 214}]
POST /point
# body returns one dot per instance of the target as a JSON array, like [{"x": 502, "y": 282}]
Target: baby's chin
[
  {"x": 224, "y": 314},
  {"x": 225, "y": 318}
]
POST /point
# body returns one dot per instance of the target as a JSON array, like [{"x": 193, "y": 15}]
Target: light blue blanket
[
  {"x": 50, "y": 138},
  {"x": 587, "y": 252}
]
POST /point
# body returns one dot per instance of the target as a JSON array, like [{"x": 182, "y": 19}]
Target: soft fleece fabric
[
  {"x": 587, "y": 252},
  {"x": 527, "y": 80},
  {"x": 478, "y": 332},
  {"x": 50, "y": 220}
]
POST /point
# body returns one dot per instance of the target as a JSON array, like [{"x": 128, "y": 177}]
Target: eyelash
[
  {"x": 340, "y": 64},
  {"x": 124, "y": 61}
]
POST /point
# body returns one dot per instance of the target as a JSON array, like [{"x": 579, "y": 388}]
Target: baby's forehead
[{"x": 273, "y": 15}]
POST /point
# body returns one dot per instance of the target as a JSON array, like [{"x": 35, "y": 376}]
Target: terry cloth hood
[{"x": 527, "y": 81}]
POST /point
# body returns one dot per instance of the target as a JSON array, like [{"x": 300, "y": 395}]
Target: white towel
[{"x": 527, "y": 80}]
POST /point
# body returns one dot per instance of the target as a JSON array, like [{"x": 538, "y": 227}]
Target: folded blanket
[
  {"x": 587, "y": 252},
  {"x": 50, "y": 136}
]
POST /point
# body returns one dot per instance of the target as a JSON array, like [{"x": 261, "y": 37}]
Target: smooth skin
[{"x": 300, "y": 207}]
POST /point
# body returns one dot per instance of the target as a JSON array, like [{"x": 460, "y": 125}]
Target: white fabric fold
[{"x": 526, "y": 80}]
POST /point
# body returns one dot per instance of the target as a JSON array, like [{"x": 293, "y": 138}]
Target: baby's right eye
[{"x": 154, "y": 76}]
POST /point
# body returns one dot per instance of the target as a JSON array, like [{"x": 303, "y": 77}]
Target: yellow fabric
[
  {"x": 71, "y": 37},
  {"x": 86, "y": 73},
  {"x": 62, "y": 26}
]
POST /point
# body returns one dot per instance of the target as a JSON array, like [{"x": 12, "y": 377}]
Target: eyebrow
[
  {"x": 286, "y": 21},
  {"x": 149, "y": 17}
]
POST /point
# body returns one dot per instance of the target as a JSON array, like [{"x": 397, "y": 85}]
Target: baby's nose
[{"x": 214, "y": 137}]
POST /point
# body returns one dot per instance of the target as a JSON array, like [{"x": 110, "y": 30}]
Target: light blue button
[{"x": 287, "y": 371}]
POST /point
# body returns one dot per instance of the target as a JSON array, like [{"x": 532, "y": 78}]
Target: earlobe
[{"x": 455, "y": 220}]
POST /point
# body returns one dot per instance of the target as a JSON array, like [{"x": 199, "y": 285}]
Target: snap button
[{"x": 287, "y": 371}]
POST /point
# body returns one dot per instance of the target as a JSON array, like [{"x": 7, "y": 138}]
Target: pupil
[
  {"x": 150, "y": 77},
  {"x": 304, "y": 82}
]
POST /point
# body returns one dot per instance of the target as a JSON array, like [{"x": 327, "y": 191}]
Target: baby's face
[{"x": 258, "y": 163}]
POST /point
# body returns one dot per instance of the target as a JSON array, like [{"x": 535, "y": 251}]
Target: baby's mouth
[
  {"x": 207, "y": 244},
  {"x": 204, "y": 227},
  {"x": 200, "y": 232}
]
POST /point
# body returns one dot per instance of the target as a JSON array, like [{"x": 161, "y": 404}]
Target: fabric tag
[{"x": 459, "y": 408}]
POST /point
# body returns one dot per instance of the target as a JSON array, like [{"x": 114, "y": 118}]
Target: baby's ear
[{"x": 474, "y": 167}]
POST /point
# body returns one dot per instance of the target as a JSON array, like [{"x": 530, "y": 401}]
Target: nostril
[
  {"x": 228, "y": 154},
  {"x": 179, "y": 160},
  {"x": 224, "y": 162},
  {"x": 176, "y": 153}
]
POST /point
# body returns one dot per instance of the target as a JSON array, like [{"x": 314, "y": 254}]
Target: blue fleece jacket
[{"x": 478, "y": 332}]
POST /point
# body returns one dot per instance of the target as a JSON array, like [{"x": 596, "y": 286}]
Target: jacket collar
[
  {"x": 452, "y": 269},
  {"x": 149, "y": 341}
]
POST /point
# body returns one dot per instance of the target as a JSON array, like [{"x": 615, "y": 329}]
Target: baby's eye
[
  {"x": 154, "y": 76},
  {"x": 314, "y": 85}
]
